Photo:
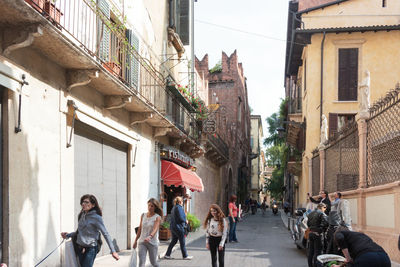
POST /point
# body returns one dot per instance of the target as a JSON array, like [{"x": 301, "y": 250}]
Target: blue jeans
[
  {"x": 232, "y": 229},
  {"x": 86, "y": 259},
  {"x": 177, "y": 235},
  {"x": 372, "y": 259}
]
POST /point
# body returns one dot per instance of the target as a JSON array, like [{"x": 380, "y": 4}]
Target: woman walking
[
  {"x": 233, "y": 210},
  {"x": 90, "y": 225},
  {"x": 216, "y": 229},
  {"x": 177, "y": 226},
  {"x": 148, "y": 233}
]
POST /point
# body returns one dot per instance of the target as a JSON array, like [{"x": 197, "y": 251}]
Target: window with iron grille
[
  {"x": 348, "y": 74},
  {"x": 338, "y": 121}
]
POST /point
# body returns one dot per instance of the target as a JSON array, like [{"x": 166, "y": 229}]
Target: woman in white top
[
  {"x": 216, "y": 232},
  {"x": 148, "y": 233}
]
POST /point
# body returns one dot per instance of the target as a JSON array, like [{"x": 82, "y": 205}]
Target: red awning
[{"x": 173, "y": 174}]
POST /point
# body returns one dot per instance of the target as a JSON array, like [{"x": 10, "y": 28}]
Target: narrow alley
[{"x": 263, "y": 241}]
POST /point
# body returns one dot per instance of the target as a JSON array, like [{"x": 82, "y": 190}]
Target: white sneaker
[
  {"x": 167, "y": 257},
  {"x": 188, "y": 258}
]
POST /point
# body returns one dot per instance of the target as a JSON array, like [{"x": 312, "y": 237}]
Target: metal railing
[
  {"x": 99, "y": 29},
  {"x": 383, "y": 140},
  {"x": 221, "y": 146},
  {"x": 342, "y": 160}
]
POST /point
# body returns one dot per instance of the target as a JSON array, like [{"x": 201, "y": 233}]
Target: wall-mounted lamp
[
  {"x": 194, "y": 168},
  {"x": 163, "y": 153}
]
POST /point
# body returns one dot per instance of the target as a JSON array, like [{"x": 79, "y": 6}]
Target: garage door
[{"x": 101, "y": 169}]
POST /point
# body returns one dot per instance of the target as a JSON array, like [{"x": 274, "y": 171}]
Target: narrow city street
[{"x": 263, "y": 241}]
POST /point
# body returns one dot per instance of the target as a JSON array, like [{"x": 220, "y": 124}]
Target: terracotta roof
[{"x": 321, "y": 6}]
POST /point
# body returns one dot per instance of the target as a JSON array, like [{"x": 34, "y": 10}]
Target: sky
[{"x": 262, "y": 53}]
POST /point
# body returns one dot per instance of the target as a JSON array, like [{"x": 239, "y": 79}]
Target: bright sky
[{"x": 262, "y": 52}]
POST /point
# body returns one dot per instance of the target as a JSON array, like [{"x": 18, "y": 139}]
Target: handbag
[
  {"x": 188, "y": 229},
  {"x": 307, "y": 233},
  {"x": 77, "y": 247}
]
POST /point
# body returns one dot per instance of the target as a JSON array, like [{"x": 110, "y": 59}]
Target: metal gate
[{"x": 101, "y": 169}]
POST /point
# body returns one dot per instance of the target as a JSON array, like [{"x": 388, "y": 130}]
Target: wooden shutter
[
  {"x": 132, "y": 64},
  {"x": 183, "y": 30},
  {"x": 333, "y": 123},
  {"x": 348, "y": 74},
  {"x": 103, "y": 32}
]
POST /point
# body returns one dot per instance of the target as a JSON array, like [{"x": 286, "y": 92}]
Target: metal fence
[
  {"x": 342, "y": 160},
  {"x": 98, "y": 27},
  {"x": 315, "y": 174},
  {"x": 383, "y": 140}
]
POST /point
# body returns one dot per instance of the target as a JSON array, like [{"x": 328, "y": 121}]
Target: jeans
[
  {"x": 315, "y": 248},
  {"x": 153, "y": 253},
  {"x": 86, "y": 259},
  {"x": 232, "y": 229},
  {"x": 177, "y": 235},
  {"x": 213, "y": 242},
  {"x": 372, "y": 259}
]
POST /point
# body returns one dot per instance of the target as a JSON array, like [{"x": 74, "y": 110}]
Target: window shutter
[
  {"x": 353, "y": 73},
  {"x": 348, "y": 74},
  {"x": 183, "y": 30},
  {"x": 103, "y": 32},
  {"x": 333, "y": 123},
  {"x": 132, "y": 64}
]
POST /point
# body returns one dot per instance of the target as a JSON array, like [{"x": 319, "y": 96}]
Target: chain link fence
[
  {"x": 342, "y": 160},
  {"x": 315, "y": 174},
  {"x": 383, "y": 140}
]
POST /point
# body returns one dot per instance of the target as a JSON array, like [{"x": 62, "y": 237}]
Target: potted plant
[
  {"x": 52, "y": 11},
  {"x": 193, "y": 221},
  {"x": 164, "y": 232},
  {"x": 113, "y": 67},
  {"x": 36, "y": 4}
]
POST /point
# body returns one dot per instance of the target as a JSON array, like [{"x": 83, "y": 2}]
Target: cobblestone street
[{"x": 263, "y": 241}]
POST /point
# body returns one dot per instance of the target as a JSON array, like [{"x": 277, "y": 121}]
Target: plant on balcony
[
  {"x": 196, "y": 102},
  {"x": 52, "y": 11}
]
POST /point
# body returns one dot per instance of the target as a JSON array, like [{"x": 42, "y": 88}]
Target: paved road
[{"x": 263, "y": 242}]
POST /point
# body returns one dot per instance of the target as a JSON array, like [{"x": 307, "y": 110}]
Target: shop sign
[{"x": 176, "y": 155}]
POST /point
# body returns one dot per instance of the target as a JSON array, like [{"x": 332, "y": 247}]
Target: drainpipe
[
  {"x": 322, "y": 80},
  {"x": 192, "y": 44}
]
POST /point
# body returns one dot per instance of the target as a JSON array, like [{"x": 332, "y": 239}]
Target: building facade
[
  {"x": 335, "y": 47},
  {"x": 257, "y": 163},
  {"x": 228, "y": 98},
  {"x": 90, "y": 104}
]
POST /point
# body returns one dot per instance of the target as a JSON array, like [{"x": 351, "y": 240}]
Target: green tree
[{"x": 276, "y": 152}]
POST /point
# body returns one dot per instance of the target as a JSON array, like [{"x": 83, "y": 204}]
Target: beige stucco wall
[
  {"x": 378, "y": 53},
  {"x": 379, "y": 207},
  {"x": 354, "y": 13}
]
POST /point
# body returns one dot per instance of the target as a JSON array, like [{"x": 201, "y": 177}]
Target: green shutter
[
  {"x": 103, "y": 32},
  {"x": 132, "y": 64}
]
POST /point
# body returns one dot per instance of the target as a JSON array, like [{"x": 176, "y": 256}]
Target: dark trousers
[
  {"x": 86, "y": 259},
  {"x": 213, "y": 242},
  {"x": 177, "y": 235},
  {"x": 315, "y": 248},
  {"x": 232, "y": 229},
  {"x": 372, "y": 259},
  {"x": 331, "y": 246}
]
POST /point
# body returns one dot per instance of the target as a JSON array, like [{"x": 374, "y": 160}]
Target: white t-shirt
[
  {"x": 213, "y": 230},
  {"x": 147, "y": 228}
]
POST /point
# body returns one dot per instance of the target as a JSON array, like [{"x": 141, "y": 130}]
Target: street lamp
[{"x": 281, "y": 131}]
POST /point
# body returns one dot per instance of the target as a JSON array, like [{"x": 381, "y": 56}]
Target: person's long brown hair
[
  {"x": 157, "y": 207},
  {"x": 94, "y": 202},
  {"x": 220, "y": 217}
]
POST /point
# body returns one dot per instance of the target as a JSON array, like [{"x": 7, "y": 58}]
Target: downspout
[
  {"x": 322, "y": 80},
  {"x": 192, "y": 45}
]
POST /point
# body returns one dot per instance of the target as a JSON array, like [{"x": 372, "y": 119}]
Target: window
[
  {"x": 180, "y": 20},
  {"x": 348, "y": 74},
  {"x": 384, "y": 3},
  {"x": 338, "y": 121}
]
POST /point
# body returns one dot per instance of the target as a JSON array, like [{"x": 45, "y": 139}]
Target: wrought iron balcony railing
[{"x": 99, "y": 29}]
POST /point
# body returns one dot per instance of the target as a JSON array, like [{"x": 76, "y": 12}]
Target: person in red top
[{"x": 233, "y": 216}]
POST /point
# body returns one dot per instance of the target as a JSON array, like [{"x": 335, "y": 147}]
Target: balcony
[
  {"x": 94, "y": 46},
  {"x": 216, "y": 149}
]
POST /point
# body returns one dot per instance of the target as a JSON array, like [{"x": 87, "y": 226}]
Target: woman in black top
[
  {"x": 360, "y": 249},
  {"x": 322, "y": 198}
]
